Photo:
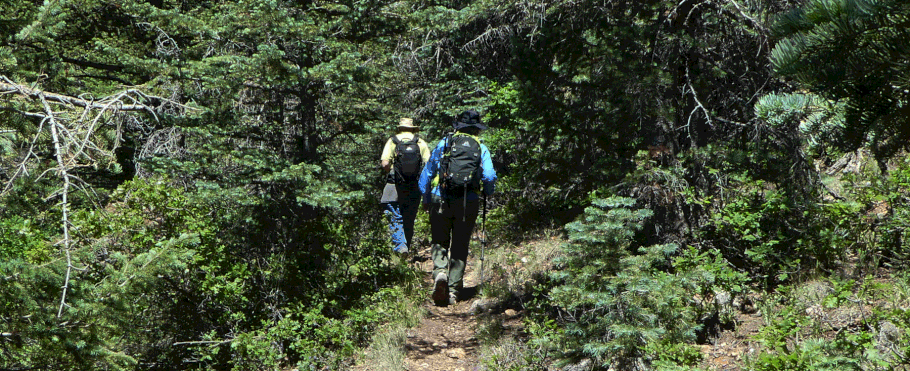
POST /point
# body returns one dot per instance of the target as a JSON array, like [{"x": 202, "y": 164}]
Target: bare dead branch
[
  {"x": 115, "y": 101},
  {"x": 77, "y": 121},
  {"x": 70, "y": 126},
  {"x": 758, "y": 25},
  {"x": 488, "y": 36},
  {"x": 65, "y": 99},
  {"x": 62, "y": 172},
  {"x": 695, "y": 97},
  {"x": 22, "y": 168},
  {"x": 204, "y": 342}
]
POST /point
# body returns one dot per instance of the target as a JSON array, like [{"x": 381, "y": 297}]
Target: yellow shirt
[{"x": 388, "y": 152}]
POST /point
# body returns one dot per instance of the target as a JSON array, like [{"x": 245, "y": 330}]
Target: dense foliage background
[{"x": 192, "y": 184}]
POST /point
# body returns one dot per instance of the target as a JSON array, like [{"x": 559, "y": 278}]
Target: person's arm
[
  {"x": 385, "y": 160},
  {"x": 429, "y": 172},
  {"x": 424, "y": 150},
  {"x": 489, "y": 173}
]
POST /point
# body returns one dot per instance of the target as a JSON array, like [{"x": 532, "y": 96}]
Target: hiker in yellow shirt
[{"x": 402, "y": 160}]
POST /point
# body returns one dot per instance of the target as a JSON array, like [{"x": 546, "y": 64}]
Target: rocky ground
[{"x": 445, "y": 338}]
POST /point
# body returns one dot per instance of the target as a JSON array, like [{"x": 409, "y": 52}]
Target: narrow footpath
[{"x": 444, "y": 340}]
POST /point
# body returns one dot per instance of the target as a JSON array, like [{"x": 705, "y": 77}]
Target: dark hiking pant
[{"x": 451, "y": 224}]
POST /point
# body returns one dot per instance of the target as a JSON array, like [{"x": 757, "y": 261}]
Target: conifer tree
[
  {"x": 226, "y": 222},
  {"x": 853, "y": 53},
  {"x": 615, "y": 297}
]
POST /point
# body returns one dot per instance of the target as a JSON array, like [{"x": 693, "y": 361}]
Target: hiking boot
[
  {"x": 453, "y": 298},
  {"x": 441, "y": 290}
]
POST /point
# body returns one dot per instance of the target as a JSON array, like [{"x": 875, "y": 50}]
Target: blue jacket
[{"x": 428, "y": 182}]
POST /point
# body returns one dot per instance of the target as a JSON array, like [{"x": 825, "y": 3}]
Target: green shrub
[
  {"x": 674, "y": 356},
  {"x": 21, "y": 239},
  {"x": 811, "y": 354},
  {"x": 887, "y": 200},
  {"x": 618, "y": 300},
  {"x": 511, "y": 355},
  {"x": 793, "y": 340}
]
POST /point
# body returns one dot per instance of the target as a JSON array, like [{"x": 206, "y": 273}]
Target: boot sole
[{"x": 441, "y": 293}]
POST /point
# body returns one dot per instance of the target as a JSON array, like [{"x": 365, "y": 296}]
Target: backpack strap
[{"x": 448, "y": 146}]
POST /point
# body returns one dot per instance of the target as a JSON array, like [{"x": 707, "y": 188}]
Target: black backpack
[
  {"x": 459, "y": 168},
  {"x": 408, "y": 161}
]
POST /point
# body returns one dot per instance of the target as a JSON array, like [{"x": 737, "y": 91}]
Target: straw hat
[{"x": 407, "y": 124}]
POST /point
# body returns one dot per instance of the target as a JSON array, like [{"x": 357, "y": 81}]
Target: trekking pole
[{"x": 483, "y": 236}]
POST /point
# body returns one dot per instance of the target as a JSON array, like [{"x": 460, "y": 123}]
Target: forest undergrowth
[
  {"x": 852, "y": 315},
  {"x": 802, "y": 324}
]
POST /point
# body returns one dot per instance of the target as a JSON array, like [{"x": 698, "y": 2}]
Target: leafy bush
[
  {"x": 768, "y": 231},
  {"x": 804, "y": 328},
  {"x": 812, "y": 354},
  {"x": 21, "y": 239},
  {"x": 169, "y": 276},
  {"x": 887, "y": 213}
]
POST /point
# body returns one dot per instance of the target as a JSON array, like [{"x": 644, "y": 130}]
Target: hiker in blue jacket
[{"x": 454, "y": 208}]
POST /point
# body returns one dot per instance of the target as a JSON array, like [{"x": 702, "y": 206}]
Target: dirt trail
[{"x": 444, "y": 340}]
